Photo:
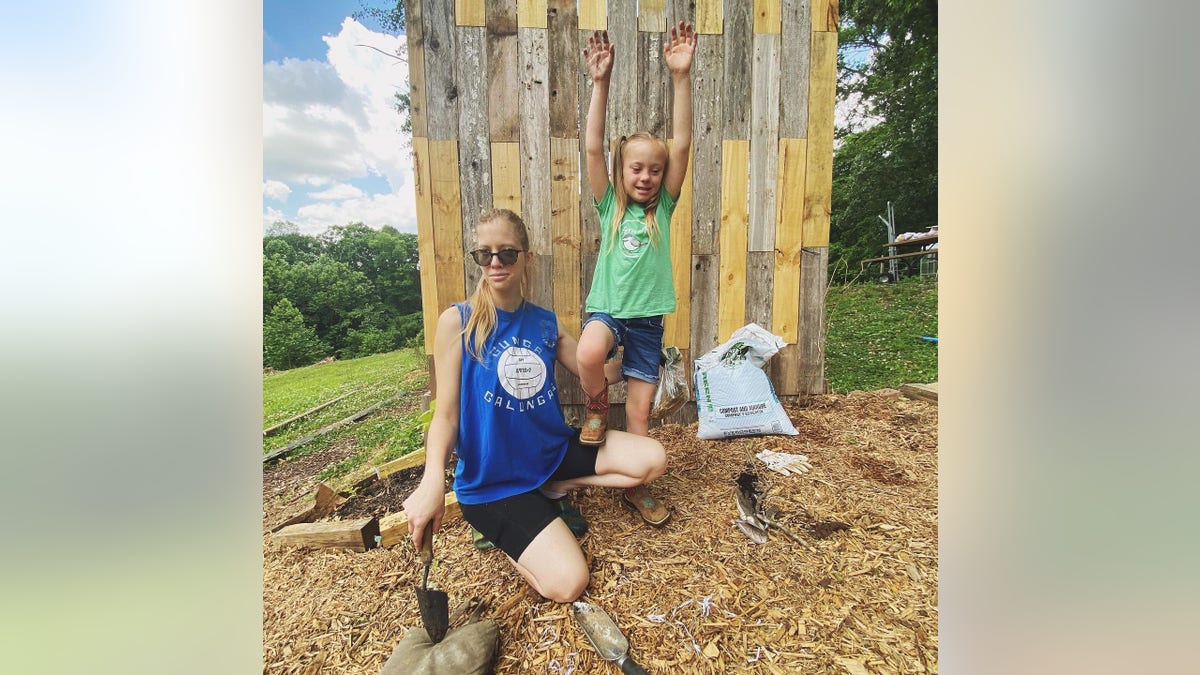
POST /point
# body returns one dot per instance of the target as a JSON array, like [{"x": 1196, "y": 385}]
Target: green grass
[
  {"x": 873, "y": 334},
  {"x": 387, "y": 434}
]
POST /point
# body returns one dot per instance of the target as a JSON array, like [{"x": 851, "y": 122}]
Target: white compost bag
[{"x": 733, "y": 394}]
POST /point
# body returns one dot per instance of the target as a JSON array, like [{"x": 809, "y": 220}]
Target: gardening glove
[{"x": 784, "y": 463}]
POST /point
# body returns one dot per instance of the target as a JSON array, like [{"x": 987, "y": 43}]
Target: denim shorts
[{"x": 642, "y": 339}]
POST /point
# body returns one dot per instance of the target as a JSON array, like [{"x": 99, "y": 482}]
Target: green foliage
[
  {"x": 287, "y": 341},
  {"x": 358, "y": 288},
  {"x": 887, "y": 150},
  {"x": 873, "y": 334}
]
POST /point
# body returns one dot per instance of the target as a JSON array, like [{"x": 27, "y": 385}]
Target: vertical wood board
[
  {"x": 592, "y": 15},
  {"x": 622, "y": 84},
  {"x": 564, "y": 218},
  {"x": 441, "y": 84},
  {"x": 563, "y": 68},
  {"x": 709, "y": 17},
  {"x": 811, "y": 343},
  {"x": 655, "y": 82},
  {"x": 652, "y": 16},
  {"x": 760, "y": 268},
  {"x": 447, "y": 222},
  {"x": 825, "y": 16},
  {"x": 427, "y": 260},
  {"x": 469, "y": 12},
  {"x": 738, "y": 74},
  {"x": 589, "y": 222},
  {"x": 474, "y": 151},
  {"x": 766, "y": 16},
  {"x": 764, "y": 142},
  {"x": 506, "y": 173},
  {"x": 707, "y": 130},
  {"x": 731, "y": 306},
  {"x": 705, "y": 271},
  {"x": 818, "y": 179},
  {"x": 502, "y": 69},
  {"x": 531, "y": 13},
  {"x": 793, "y": 69},
  {"x": 789, "y": 221},
  {"x": 784, "y": 370},
  {"x": 676, "y": 325},
  {"x": 535, "y": 157},
  {"x": 416, "y": 69}
]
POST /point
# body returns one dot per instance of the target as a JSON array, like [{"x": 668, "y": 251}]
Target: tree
[
  {"x": 287, "y": 341},
  {"x": 887, "y": 148}
]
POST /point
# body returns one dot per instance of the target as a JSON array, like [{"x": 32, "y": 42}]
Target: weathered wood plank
[
  {"x": 766, "y": 16},
  {"x": 430, "y": 309},
  {"x": 356, "y": 535},
  {"x": 813, "y": 265},
  {"x": 474, "y": 151},
  {"x": 677, "y": 325},
  {"x": 923, "y": 392},
  {"x": 534, "y": 102},
  {"x": 324, "y": 502},
  {"x": 760, "y": 266},
  {"x": 653, "y": 80},
  {"x": 707, "y": 132},
  {"x": 416, "y": 68},
  {"x": 785, "y": 304},
  {"x": 272, "y": 429},
  {"x": 589, "y": 223},
  {"x": 563, "y": 68},
  {"x": 793, "y": 69},
  {"x": 705, "y": 283},
  {"x": 739, "y": 41},
  {"x": 731, "y": 305},
  {"x": 818, "y": 179},
  {"x": 709, "y": 17},
  {"x": 764, "y": 142},
  {"x": 406, "y": 462},
  {"x": 469, "y": 12},
  {"x": 441, "y": 59},
  {"x": 276, "y": 454},
  {"x": 592, "y": 15},
  {"x": 447, "y": 222},
  {"x": 623, "y": 101},
  {"x": 564, "y": 219},
  {"x": 784, "y": 371},
  {"x": 531, "y": 13},
  {"x": 825, "y": 15},
  {"x": 506, "y": 176},
  {"x": 652, "y": 16},
  {"x": 502, "y": 69},
  {"x": 393, "y": 528}
]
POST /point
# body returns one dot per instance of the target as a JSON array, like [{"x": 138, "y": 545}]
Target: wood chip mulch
[{"x": 696, "y": 596}]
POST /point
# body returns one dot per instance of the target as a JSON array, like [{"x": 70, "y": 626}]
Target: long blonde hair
[
  {"x": 622, "y": 200},
  {"x": 482, "y": 320}
]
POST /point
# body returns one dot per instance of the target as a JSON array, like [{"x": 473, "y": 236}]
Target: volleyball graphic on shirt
[{"x": 522, "y": 373}]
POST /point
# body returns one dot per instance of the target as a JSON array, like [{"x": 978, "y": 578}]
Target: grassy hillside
[{"x": 873, "y": 334}]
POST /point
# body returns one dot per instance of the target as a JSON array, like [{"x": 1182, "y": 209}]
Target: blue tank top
[{"x": 511, "y": 432}]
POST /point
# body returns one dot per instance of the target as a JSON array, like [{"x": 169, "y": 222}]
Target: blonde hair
[
  {"x": 482, "y": 320},
  {"x": 621, "y": 199}
]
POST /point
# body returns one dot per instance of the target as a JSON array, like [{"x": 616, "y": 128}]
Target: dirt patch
[
  {"x": 386, "y": 496},
  {"x": 695, "y": 596}
]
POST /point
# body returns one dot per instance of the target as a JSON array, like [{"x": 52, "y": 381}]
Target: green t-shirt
[{"x": 633, "y": 278}]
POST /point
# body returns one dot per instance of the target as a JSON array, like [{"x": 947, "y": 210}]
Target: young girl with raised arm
[
  {"x": 497, "y": 405},
  {"x": 632, "y": 287}
]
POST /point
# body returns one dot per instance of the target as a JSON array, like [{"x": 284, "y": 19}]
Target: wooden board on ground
[
  {"x": 393, "y": 528},
  {"x": 356, "y": 535},
  {"x": 925, "y": 392}
]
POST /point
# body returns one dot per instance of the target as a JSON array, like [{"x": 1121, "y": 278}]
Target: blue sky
[{"x": 332, "y": 150}]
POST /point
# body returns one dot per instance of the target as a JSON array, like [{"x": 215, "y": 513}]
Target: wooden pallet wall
[{"x": 500, "y": 91}]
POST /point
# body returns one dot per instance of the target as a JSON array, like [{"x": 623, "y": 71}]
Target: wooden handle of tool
[{"x": 426, "y": 551}]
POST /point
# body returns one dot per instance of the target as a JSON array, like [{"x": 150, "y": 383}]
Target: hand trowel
[
  {"x": 605, "y": 637},
  {"x": 434, "y": 605}
]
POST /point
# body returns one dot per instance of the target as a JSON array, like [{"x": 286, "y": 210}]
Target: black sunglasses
[{"x": 483, "y": 257}]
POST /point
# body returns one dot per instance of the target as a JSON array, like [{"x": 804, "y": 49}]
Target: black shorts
[{"x": 511, "y": 523}]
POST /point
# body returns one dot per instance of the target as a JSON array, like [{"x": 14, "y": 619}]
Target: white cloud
[
  {"x": 338, "y": 192},
  {"x": 276, "y": 191},
  {"x": 328, "y": 123}
]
